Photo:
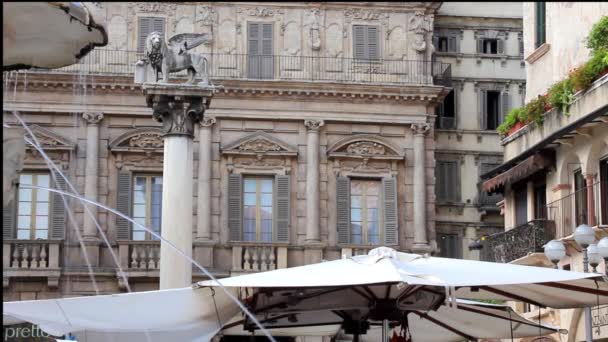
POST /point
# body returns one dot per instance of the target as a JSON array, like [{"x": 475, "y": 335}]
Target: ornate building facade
[{"x": 323, "y": 141}]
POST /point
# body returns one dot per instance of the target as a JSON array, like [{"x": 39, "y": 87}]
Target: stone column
[
  {"x": 179, "y": 108},
  {"x": 312, "y": 180},
  {"x": 203, "y": 227},
  {"x": 420, "y": 224},
  {"x": 91, "y": 172},
  {"x": 590, "y": 200}
]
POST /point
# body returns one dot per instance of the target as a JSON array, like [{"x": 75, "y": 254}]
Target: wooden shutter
[
  {"x": 452, "y": 44},
  {"x": 389, "y": 188},
  {"x": 480, "y": 45},
  {"x": 436, "y": 43},
  {"x": 123, "y": 205},
  {"x": 504, "y": 106},
  {"x": 8, "y": 218},
  {"x": 253, "y": 50},
  {"x": 266, "y": 49},
  {"x": 453, "y": 176},
  {"x": 235, "y": 207},
  {"x": 373, "y": 42},
  {"x": 500, "y": 46},
  {"x": 58, "y": 214},
  {"x": 359, "y": 46},
  {"x": 343, "y": 209},
  {"x": 439, "y": 181},
  {"x": 260, "y": 38},
  {"x": 283, "y": 212},
  {"x": 147, "y": 25},
  {"x": 483, "y": 109},
  {"x": 521, "y": 46}
]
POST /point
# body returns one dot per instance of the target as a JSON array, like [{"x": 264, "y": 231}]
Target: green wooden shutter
[
  {"x": 58, "y": 214},
  {"x": 389, "y": 187},
  {"x": 147, "y": 25},
  {"x": 373, "y": 42},
  {"x": 283, "y": 212},
  {"x": 452, "y": 44},
  {"x": 483, "y": 109},
  {"x": 123, "y": 205},
  {"x": 235, "y": 207},
  {"x": 343, "y": 209},
  {"x": 479, "y": 45},
  {"x": 500, "y": 46},
  {"x": 504, "y": 106},
  {"x": 8, "y": 218},
  {"x": 540, "y": 24},
  {"x": 359, "y": 46}
]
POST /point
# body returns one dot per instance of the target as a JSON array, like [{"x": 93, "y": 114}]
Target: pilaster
[
  {"x": 420, "y": 234},
  {"x": 312, "y": 181}
]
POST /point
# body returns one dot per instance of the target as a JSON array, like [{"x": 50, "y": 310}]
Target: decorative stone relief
[
  {"x": 177, "y": 117},
  {"x": 259, "y": 145},
  {"x": 260, "y": 11},
  {"x": 365, "y": 14},
  {"x": 396, "y": 43},
  {"x": 206, "y": 15},
  {"x": 208, "y": 121},
  {"x": 92, "y": 118},
  {"x": 420, "y": 24},
  {"x": 184, "y": 24},
  {"x": 153, "y": 7},
  {"x": 333, "y": 39},
  {"x": 292, "y": 43},
  {"x": 366, "y": 147},
  {"x": 314, "y": 125},
  {"x": 315, "y": 35},
  {"x": 227, "y": 42},
  {"x": 49, "y": 140},
  {"x": 117, "y": 33},
  {"x": 139, "y": 160},
  {"x": 147, "y": 140},
  {"x": 420, "y": 128}
]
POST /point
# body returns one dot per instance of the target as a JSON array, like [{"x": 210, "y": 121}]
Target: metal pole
[
  {"x": 385, "y": 330},
  {"x": 588, "y": 330}
]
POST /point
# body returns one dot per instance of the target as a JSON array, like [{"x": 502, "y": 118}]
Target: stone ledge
[{"x": 538, "y": 53}]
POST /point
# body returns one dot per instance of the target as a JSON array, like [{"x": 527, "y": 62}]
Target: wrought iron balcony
[
  {"x": 572, "y": 210},
  {"x": 517, "y": 242},
  {"x": 276, "y": 67}
]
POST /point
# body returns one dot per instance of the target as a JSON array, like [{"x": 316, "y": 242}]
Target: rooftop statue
[{"x": 173, "y": 56}]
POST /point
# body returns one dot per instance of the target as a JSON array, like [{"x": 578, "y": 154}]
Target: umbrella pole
[{"x": 385, "y": 330}]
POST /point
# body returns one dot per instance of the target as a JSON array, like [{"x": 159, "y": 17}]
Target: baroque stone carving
[
  {"x": 366, "y": 147},
  {"x": 315, "y": 36},
  {"x": 92, "y": 118},
  {"x": 207, "y": 121},
  {"x": 314, "y": 125},
  {"x": 147, "y": 140},
  {"x": 420, "y": 24},
  {"x": 206, "y": 15},
  {"x": 260, "y": 11},
  {"x": 177, "y": 116},
  {"x": 173, "y": 56},
  {"x": 259, "y": 145},
  {"x": 420, "y": 128},
  {"x": 365, "y": 14},
  {"x": 153, "y": 7}
]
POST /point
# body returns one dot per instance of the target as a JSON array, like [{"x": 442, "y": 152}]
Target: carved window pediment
[
  {"x": 259, "y": 143},
  {"x": 49, "y": 140},
  {"x": 147, "y": 140},
  {"x": 365, "y": 146}
]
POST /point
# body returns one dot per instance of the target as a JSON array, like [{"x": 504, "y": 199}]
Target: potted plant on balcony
[{"x": 516, "y": 119}]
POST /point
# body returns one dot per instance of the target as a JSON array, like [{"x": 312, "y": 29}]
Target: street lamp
[
  {"x": 555, "y": 251},
  {"x": 585, "y": 236},
  {"x": 594, "y": 256},
  {"x": 602, "y": 248}
]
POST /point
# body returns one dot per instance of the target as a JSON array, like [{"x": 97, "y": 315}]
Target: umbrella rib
[
  {"x": 465, "y": 308},
  {"x": 369, "y": 292},
  {"x": 510, "y": 295},
  {"x": 361, "y": 293},
  {"x": 576, "y": 288},
  {"x": 314, "y": 294},
  {"x": 388, "y": 291},
  {"x": 443, "y": 325}
]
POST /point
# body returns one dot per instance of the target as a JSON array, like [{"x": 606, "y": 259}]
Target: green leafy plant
[
  {"x": 598, "y": 36},
  {"x": 561, "y": 95},
  {"x": 513, "y": 117},
  {"x": 536, "y": 108}
]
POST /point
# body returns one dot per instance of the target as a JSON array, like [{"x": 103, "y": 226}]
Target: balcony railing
[
  {"x": 275, "y": 67},
  {"x": 572, "y": 210},
  {"x": 255, "y": 258},
  {"x": 31, "y": 258},
  {"x": 517, "y": 242}
]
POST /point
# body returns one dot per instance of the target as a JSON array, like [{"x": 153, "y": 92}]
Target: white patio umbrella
[{"x": 381, "y": 286}]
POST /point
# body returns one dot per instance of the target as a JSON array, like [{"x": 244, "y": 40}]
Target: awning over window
[{"x": 526, "y": 168}]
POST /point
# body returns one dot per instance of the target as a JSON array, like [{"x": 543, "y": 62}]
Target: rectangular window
[
  {"x": 446, "y": 44},
  {"x": 365, "y": 211},
  {"x": 449, "y": 246},
  {"x": 366, "y": 42},
  {"x": 485, "y": 199},
  {"x": 147, "y": 25},
  {"x": 492, "y": 109},
  {"x": 604, "y": 191},
  {"x": 257, "y": 208},
  {"x": 540, "y": 201},
  {"x": 447, "y": 175},
  {"x": 580, "y": 197},
  {"x": 540, "y": 33},
  {"x": 490, "y": 46},
  {"x": 33, "y": 207},
  {"x": 521, "y": 205},
  {"x": 446, "y": 114},
  {"x": 260, "y": 59},
  {"x": 147, "y": 205}
]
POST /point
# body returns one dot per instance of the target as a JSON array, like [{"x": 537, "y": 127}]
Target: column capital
[
  {"x": 92, "y": 118},
  {"x": 177, "y": 114},
  {"x": 207, "y": 121},
  {"x": 420, "y": 128},
  {"x": 314, "y": 125}
]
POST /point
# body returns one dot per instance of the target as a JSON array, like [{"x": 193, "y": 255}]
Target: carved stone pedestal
[{"x": 179, "y": 107}]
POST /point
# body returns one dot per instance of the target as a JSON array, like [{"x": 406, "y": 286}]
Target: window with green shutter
[
  {"x": 145, "y": 26},
  {"x": 260, "y": 61},
  {"x": 366, "y": 42},
  {"x": 447, "y": 181},
  {"x": 540, "y": 20}
]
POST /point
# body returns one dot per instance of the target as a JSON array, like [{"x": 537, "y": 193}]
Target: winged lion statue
[{"x": 174, "y": 56}]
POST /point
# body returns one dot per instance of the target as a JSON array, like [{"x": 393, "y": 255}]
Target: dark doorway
[
  {"x": 445, "y": 112},
  {"x": 490, "y": 46},
  {"x": 492, "y": 109},
  {"x": 580, "y": 198},
  {"x": 540, "y": 201},
  {"x": 521, "y": 205}
]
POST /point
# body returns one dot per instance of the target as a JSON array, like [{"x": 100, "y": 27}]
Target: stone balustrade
[
  {"x": 31, "y": 258},
  {"x": 139, "y": 255},
  {"x": 255, "y": 258}
]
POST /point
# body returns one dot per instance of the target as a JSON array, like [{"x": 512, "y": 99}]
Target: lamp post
[
  {"x": 555, "y": 251},
  {"x": 602, "y": 248},
  {"x": 594, "y": 257},
  {"x": 585, "y": 236}
]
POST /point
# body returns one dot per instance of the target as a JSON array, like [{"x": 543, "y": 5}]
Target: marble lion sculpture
[{"x": 173, "y": 56}]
